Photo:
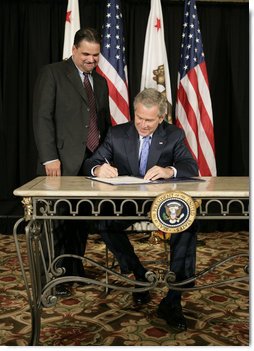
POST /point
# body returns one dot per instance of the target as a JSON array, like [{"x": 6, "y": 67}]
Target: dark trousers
[
  {"x": 182, "y": 259},
  {"x": 69, "y": 237},
  {"x": 117, "y": 241},
  {"x": 182, "y": 252}
]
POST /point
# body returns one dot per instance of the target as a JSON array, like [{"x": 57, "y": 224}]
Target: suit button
[
  {"x": 88, "y": 109},
  {"x": 86, "y": 125}
]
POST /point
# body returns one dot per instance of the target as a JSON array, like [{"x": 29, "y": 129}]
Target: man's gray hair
[{"x": 151, "y": 97}]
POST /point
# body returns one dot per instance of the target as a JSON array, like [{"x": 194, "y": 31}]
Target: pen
[{"x": 107, "y": 161}]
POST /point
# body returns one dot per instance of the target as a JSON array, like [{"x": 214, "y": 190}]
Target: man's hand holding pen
[{"x": 105, "y": 170}]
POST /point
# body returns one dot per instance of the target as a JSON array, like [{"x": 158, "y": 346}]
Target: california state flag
[
  {"x": 72, "y": 25},
  {"x": 155, "y": 71}
]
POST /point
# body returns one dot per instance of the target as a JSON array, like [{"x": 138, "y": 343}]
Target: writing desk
[{"x": 219, "y": 198}]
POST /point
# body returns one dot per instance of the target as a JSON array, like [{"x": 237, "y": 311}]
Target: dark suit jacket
[
  {"x": 121, "y": 147},
  {"x": 61, "y": 115}
]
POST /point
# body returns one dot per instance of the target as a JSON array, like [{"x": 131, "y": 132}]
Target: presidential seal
[{"x": 173, "y": 212}]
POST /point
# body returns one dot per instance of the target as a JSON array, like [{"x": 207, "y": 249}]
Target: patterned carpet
[{"x": 217, "y": 316}]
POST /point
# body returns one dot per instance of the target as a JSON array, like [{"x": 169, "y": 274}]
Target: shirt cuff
[
  {"x": 174, "y": 170},
  {"x": 45, "y": 163},
  {"x": 92, "y": 170}
]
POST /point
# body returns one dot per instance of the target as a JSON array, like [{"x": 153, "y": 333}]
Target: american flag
[
  {"x": 194, "y": 108},
  {"x": 112, "y": 64}
]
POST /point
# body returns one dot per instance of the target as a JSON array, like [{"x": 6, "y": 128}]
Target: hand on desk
[
  {"x": 157, "y": 172},
  {"x": 53, "y": 168},
  {"x": 106, "y": 171}
]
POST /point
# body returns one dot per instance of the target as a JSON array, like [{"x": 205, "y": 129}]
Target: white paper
[{"x": 121, "y": 180}]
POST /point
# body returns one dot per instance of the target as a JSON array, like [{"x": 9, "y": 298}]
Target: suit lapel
[
  {"x": 131, "y": 144},
  {"x": 73, "y": 76}
]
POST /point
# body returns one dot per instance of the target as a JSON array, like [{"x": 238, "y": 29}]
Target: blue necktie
[{"x": 144, "y": 155}]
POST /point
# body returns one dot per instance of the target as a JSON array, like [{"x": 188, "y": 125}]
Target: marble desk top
[{"x": 233, "y": 187}]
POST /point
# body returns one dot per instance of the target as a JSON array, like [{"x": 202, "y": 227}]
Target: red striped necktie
[{"x": 93, "y": 131}]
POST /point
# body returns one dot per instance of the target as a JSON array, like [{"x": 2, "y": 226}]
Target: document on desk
[
  {"x": 121, "y": 180},
  {"x": 125, "y": 180}
]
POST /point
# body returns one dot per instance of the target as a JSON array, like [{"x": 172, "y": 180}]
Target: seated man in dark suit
[{"x": 151, "y": 148}]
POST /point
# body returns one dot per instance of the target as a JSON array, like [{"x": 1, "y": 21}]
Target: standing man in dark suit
[
  {"x": 167, "y": 157},
  {"x": 69, "y": 124}
]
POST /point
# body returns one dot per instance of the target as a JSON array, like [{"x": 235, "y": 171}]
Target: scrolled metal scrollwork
[
  {"x": 209, "y": 208},
  {"x": 224, "y": 208},
  {"x": 48, "y": 299},
  {"x": 179, "y": 286}
]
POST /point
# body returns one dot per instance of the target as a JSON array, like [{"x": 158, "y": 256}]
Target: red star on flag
[
  {"x": 68, "y": 16},
  {"x": 158, "y": 24},
  {"x": 72, "y": 24}
]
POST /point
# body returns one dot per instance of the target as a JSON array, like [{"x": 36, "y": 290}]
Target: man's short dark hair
[{"x": 89, "y": 34}]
